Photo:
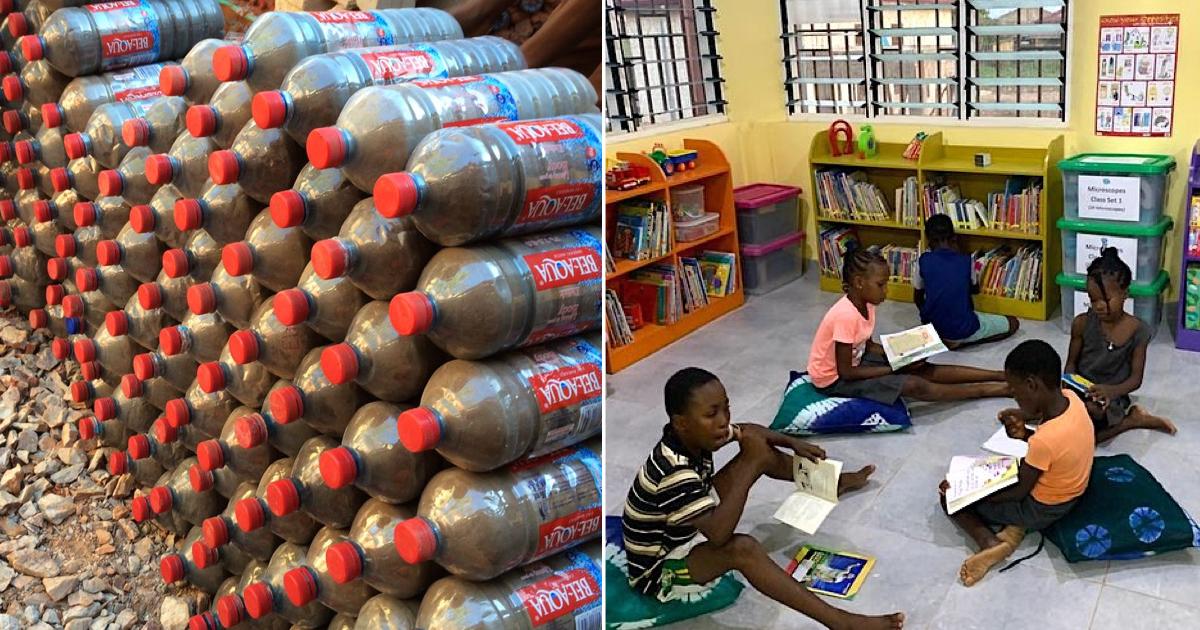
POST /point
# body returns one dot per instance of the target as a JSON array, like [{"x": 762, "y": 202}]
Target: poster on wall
[{"x": 1135, "y": 85}]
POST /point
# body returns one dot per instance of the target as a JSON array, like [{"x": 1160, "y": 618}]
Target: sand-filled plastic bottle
[
  {"x": 369, "y": 553},
  {"x": 372, "y": 458},
  {"x": 110, "y": 35},
  {"x": 261, "y": 161},
  {"x": 224, "y": 116},
  {"x": 380, "y": 256},
  {"x": 128, "y": 180},
  {"x": 144, "y": 471},
  {"x": 268, "y": 595},
  {"x": 159, "y": 125},
  {"x": 268, "y": 342},
  {"x": 224, "y": 451},
  {"x": 198, "y": 258},
  {"x": 459, "y": 191},
  {"x": 199, "y": 415},
  {"x": 158, "y": 216},
  {"x": 229, "y": 558},
  {"x": 224, "y": 211},
  {"x": 318, "y": 202},
  {"x": 247, "y": 382},
  {"x": 134, "y": 412},
  {"x": 278, "y": 41},
  {"x": 287, "y": 438},
  {"x": 82, "y": 175},
  {"x": 84, "y": 95},
  {"x": 25, "y": 261},
  {"x": 231, "y": 610},
  {"x": 380, "y": 127},
  {"x": 192, "y": 78},
  {"x": 180, "y": 566},
  {"x": 185, "y": 165},
  {"x": 107, "y": 432},
  {"x": 478, "y": 300},
  {"x": 480, "y": 525},
  {"x": 142, "y": 325},
  {"x": 274, "y": 256},
  {"x": 315, "y": 90},
  {"x": 481, "y": 415},
  {"x": 310, "y": 398},
  {"x": 142, "y": 512},
  {"x": 101, "y": 136},
  {"x": 325, "y": 306},
  {"x": 37, "y": 83},
  {"x": 145, "y": 447},
  {"x": 115, "y": 283},
  {"x": 114, "y": 355},
  {"x": 388, "y": 613},
  {"x": 109, "y": 214},
  {"x": 178, "y": 371},
  {"x": 312, "y": 581},
  {"x": 252, "y": 513},
  {"x": 562, "y": 591},
  {"x": 389, "y": 366},
  {"x": 304, "y": 489},
  {"x": 21, "y": 293},
  {"x": 236, "y": 298},
  {"x": 138, "y": 254},
  {"x": 175, "y": 494},
  {"x": 45, "y": 147},
  {"x": 156, "y": 391},
  {"x": 222, "y": 529},
  {"x": 200, "y": 336}
]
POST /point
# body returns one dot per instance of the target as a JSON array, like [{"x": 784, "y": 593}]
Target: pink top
[{"x": 842, "y": 324}]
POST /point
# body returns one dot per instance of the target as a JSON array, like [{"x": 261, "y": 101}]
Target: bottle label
[
  {"x": 404, "y": 64},
  {"x": 563, "y": 267},
  {"x": 543, "y": 130},
  {"x": 471, "y": 100},
  {"x": 567, "y": 599},
  {"x": 566, "y": 386},
  {"x": 136, "y": 84},
  {"x": 566, "y": 382},
  {"x": 565, "y": 486},
  {"x": 568, "y": 188},
  {"x": 128, "y": 33},
  {"x": 568, "y": 276},
  {"x": 353, "y": 29}
]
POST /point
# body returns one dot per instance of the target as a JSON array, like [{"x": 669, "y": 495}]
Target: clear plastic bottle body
[
  {"x": 329, "y": 506},
  {"x": 342, "y": 598},
  {"x": 226, "y": 212},
  {"x": 248, "y": 383},
  {"x": 49, "y": 143},
  {"x": 329, "y": 305},
  {"x": 287, "y": 438},
  {"x": 187, "y": 161},
  {"x": 163, "y": 120},
  {"x": 224, "y": 116},
  {"x": 391, "y": 367},
  {"x": 205, "y": 414},
  {"x": 208, "y": 579},
  {"x": 195, "y": 81},
  {"x": 134, "y": 187},
  {"x": 261, "y": 161},
  {"x": 289, "y": 556},
  {"x": 83, "y": 174},
  {"x": 162, "y": 207},
  {"x": 381, "y": 466},
  {"x": 85, "y": 94},
  {"x": 312, "y": 399},
  {"x": 142, "y": 325},
  {"x": 40, "y": 83},
  {"x": 384, "y": 612},
  {"x": 115, "y": 355},
  {"x": 140, "y": 254},
  {"x": 186, "y": 502},
  {"x": 279, "y": 348},
  {"x": 295, "y": 528},
  {"x": 372, "y": 534},
  {"x": 278, "y": 255},
  {"x": 258, "y": 544},
  {"x": 204, "y": 336},
  {"x": 381, "y": 256},
  {"x": 236, "y": 297},
  {"x": 179, "y": 371},
  {"x": 102, "y": 134},
  {"x": 324, "y": 197},
  {"x": 247, "y": 463}
]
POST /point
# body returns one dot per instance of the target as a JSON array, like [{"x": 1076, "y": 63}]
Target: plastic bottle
[
  {"x": 372, "y": 458},
  {"x": 278, "y": 41},
  {"x": 25, "y": 261},
  {"x": 63, "y": 208},
  {"x": 380, "y": 127},
  {"x": 267, "y": 341},
  {"x": 45, "y": 228},
  {"x": 313, "y": 399},
  {"x": 229, "y": 558},
  {"x": 225, "y": 212},
  {"x": 19, "y": 292},
  {"x": 224, "y": 452},
  {"x": 481, "y": 415},
  {"x": 342, "y": 621},
  {"x": 142, "y": 512},
  {"x": 274, "y": 256},
  {"x": 142, "y": 325},
  {"x": 134, "y": 412},
  {"x": 315, "y": 90},
  {"x": 112, "y": 281},
  {"x": 138, "y": 254},
  {"x": 479, "y": 525},
  {"x": 222, "y": 529},
  {"x": 45, "y": 147},
  {"x": 159, "y": 125},
  {"x": 128, "y": 180},
  {"x": 87, "y": 389},
  {"x": 466, "y": 298},
  {"x": 85, "y": 94},
  {"x": 325, "y": 306},
  {"x": 185, "y": 165},
  {"x": 388, "y": 613},
  {"x": 109, "y": 432},
  {"x": 318, "y": 202},
  {"x": 110, "y": 35},
  {"x": 252, "y": 513},
  {"x": 311, "y": 581},
  {"x": 114, "y": 355},
  {"x": 101, "y": 136},
  {"x": 304, "y": 489},
  {"x": 261, "y": 161},
  {"x": 175, "y": 494},
  {"x": 287, "y": 438},
  {"x": 154, "y": 391},
  {"x": 158, "y": 216},
  {"x": 82, "y": 175},
  {"x": 247, "y": 382},
  {"x": 268, "y": 595},
  {"x": 176, "y": 567},
  {"x": 380, "y": 256},
  {"x": 201, "y": 336},
  {"x": 110, "y": 214},
  {"x": 389, "y": 366},
  {"x": 198, "y": 258},
  {"x": 231, "y": 610},
  {"x": 145, "y": 471},
  {"x": 236, "y": 298},
  {"x": 178, "y": 370},
  {"x": 199, "y": 415},
  {"x": 148, "y": 446},
  {"x": 369, "y": 553},
  {"x": 193, "y": 77},
  {"x": 562, "y": 591},
  {"x": 226, "y": 113},
  {"x": 37, "y": 83}
]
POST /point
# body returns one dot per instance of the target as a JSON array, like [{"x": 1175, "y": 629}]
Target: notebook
[
  {"x": 973, "y": 478},
  {"x": 815, "y": 495}
]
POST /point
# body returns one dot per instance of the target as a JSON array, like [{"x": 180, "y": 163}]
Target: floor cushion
[{"x": 805, "y": 411}]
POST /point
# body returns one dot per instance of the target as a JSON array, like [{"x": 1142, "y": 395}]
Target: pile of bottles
[{"x": 334, "y": 288}]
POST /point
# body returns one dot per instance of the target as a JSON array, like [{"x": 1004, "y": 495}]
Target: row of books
[
  {"x": 692, "y": 288},
  {"x": 1193, "y": 229},
  {"x": 908, "y": 203},
  {"x": 1016, "y": 209},
  {"x": 1009, "y": 273},
  {"x": 834, "y": 242},
  {"x": 643, "y": 230},
  {"x": 849, "y": 195},
  {"x": 662, "y": 293},
  {"x": 619, "y": 330}
]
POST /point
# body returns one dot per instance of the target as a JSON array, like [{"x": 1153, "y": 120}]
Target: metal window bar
[
  {"x": 914, "y": 55},
  {"x": 1017, "y": 58},
  {"x": 662, "y": 63},
  {"x": 824, "y": 66}
]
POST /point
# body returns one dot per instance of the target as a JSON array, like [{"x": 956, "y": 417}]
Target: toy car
[
  {"x": 624, "y": 176},
  {"x": 672, "y": 161}
]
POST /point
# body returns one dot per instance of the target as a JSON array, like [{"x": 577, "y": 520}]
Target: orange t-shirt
[
  {"x": 842, "y": 324},
  {"x": 1062, "y": 448}
]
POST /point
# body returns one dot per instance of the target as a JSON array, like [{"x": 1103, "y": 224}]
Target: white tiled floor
[{"x": 896, "y": 518}]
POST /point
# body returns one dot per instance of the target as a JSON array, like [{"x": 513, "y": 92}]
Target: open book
[
  {"x": 1001, "y": 444},
  {"x": 815, "y": 495},
  {"x": 834, "y": 573},
  {"x": 912, "y": 345},
  {"x": 973, "y": 478}
]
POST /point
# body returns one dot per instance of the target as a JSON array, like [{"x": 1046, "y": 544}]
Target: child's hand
[
  {"x": 1103, "y": 394},
  {"x": 943, "y": 487},
  {"x": 1014, "y": 424}
]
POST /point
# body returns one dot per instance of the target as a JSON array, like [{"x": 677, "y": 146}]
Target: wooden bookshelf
[
  {"x": 713, "y": 173},
  {"x": 956, "y": 165}
]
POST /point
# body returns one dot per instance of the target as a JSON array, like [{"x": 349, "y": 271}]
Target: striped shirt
[{"x": 671, "y": 490}]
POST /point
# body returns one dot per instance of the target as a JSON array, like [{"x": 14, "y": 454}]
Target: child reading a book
[
  {"x": 1108, "y": 348},
  {"x": 1053, "y": 474},
  {"x": 680, "y": 517},
  {"x": 942, "y": 288},
  {"x": 844, "y": 360}
]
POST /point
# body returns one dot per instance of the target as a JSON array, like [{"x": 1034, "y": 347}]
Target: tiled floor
[{"x": 896, "y": 518}]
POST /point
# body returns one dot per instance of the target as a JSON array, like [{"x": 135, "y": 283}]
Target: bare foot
[
  {"x": 977, "y": 566},
  {"x": 852, "y": 481},
  {"x": 1139, "y": 419},
  {"x": 1012, "y": 535},
  {"x": 894, "y": 621}
]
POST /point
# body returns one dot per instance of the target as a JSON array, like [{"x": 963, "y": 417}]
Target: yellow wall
[{"x": 763, "y": 145}]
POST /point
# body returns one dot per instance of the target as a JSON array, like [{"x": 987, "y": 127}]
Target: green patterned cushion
[{"x": 806, "y": 411}]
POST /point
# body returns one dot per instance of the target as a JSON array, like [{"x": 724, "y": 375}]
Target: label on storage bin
[
  {"x": 1089, "y": 246},
  {"x": 1083, "y": 303},
  {"x": 1109, "y": 198},
  {"x": 128, "y": 33}
]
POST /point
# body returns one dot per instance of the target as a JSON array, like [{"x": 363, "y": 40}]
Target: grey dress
[{"x": 1105, "y": 363}]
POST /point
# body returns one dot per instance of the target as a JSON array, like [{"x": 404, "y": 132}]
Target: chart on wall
[{"x": 1135, "y": 86}]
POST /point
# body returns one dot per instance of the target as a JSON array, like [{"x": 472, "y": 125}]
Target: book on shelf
[
  {"x": 908, "y": 203},
  {"x": 610, "y": 265},
  {"x": 1193, "y": 229},
  {"x": 900, "y": 261},
  {"x": 618, "y": 331},
  {"x": 850, "y": 195},
  {"x": 834, "y": 241},
  {"x": 1016, "y": 209},
  {"x": 834, "y": 573},
  {"x": 656, "y": 290},
  {"x": 974, "y": 478},
  {"x": 1009, "y": 273},
  {"x": 642, "y": 231},
  {"x": 693, "y": 288},
  {"x": 720, "y": 272}
]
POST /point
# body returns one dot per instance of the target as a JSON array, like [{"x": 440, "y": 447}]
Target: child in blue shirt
[{"x": 942, "y": 290}]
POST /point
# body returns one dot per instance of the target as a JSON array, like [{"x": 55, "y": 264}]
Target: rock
[
  {"x": 103, "y": 537},
  {"x": 67, "y": 475},
  {"x": 56, "y": 508},
  {"x": 7, "y": 501},
  {"x": 81, "y": 612},
  {"x": 125, "y": 619},
  {"x": 104, "y": 550},
  {"x": 94, "y": 585},
  {"x": 59, "y": 587},
  {"x": 78, "y": 624},
  {"x": 9, "y": 622},
  {"x": 47, "y": 467},
  {"x": 173, "y": 614},
  {"x": 34, "y": 562},
  {"x": 31, "y": 614},
  {"x": 122, "y": 487},
  {"x": 13, "y": 335},
  {"x": 119, "y": 512},
  {"x": 6, "y": 575},
  {"x": 10, "y": 481},
  {"x": 27, "y": 441},
  {"x": 50, "y": 616},
  {"x": 143, "y": 548}
]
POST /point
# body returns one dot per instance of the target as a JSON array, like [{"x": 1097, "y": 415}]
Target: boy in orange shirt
[{"x": 1053, "y": 474}]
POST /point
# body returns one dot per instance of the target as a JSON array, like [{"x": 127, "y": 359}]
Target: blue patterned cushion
[{"x": 805, "y": 411}]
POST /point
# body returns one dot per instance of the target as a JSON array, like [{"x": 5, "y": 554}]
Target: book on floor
[
  {"x": 835, "y": 573},
  {"x": 1001, "y": 444},
  {"x": 973, "y": 478},
  {"x": 815, "y": 495},
  {"x": 909, "y": 346}
]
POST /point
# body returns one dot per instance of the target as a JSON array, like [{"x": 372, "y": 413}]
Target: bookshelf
[
  {"x": 1188, "y": 338},
  {"x": 955, "y": 164},
  {"x": 712, "y": 171}
]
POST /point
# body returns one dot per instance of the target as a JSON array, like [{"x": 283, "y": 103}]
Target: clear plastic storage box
[
  {"x": 1145, "y": 299},
  {"x": 770, "y": 266},
  {"x": 697, "y": 229},
  {"x": 1116, "y": 188},
  {"x": 687, "y": 202},
  {"x": 1141, "y": 247},
  {"x": 766, "y": 212}
]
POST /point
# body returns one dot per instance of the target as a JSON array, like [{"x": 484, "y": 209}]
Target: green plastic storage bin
[
  {"x": 1145, "y": 299},
  {"x": 1117, "y": 188},
  {"x": 1141, "y": 246}
]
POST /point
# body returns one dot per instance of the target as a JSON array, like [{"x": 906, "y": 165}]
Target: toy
[
  {"x": 841, "y": 138},
  {"x": 672, "y": 161},
  {"x": 913, "y": 150},
  {"x": 624, "y": 176},
  {"x": 867, "y": 147}
]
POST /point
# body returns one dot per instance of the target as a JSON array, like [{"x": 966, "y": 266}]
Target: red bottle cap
[
  {"x": 80, "y": 392},
  {"x": 76, "y": 145},
  {"x": 43, "y": 211},
  {"x": 419, "y": 429},
  {"x": 216, "y": 531},
  {"x": 250, "y": 430},
  {"x": 287, "y": 208},
  {"x": 249, "y": 514},
  {"x": 201, "y": 120},
  {"x": 87, "y": 279},
  {"x": 131, "y": 386},
  {"x": 24, "y": 151},
  {"x": 31, "y": 45},
  {"x": 189, "y": 214},
  {"x": 160, "y": 169},
  {"x": 230, "y": 611},
  {"x": 340, "y": 363},
  {"x": 108, "y": 253},
  {"x": 13, "y": 122},
  {"x": 52, "y": 115},
  {"x": 201, "y": 480},
  {"x": 37, "y": 317},
  {"x": 105, "y": 408},
  {"x": 8, "y": 209},
  {"x": 141, "y": 219},
  {"x": 13, "y": 90},
  {"x": 54, "y": 294},
  {"x": 396, "y": 195},
  {"x": 118, "y": 464},
  {"x": 61, "y": 348},
  {"x": 89, "y": 371},
  {"x": 18, "y": 25},
  {"x": 110, "y": 183},
  {"x": 203, "y": 621},
  {"x": 230, "y": 63},
  {"x": 178, "y": 412},
  {"x": 171, "y": 568},
  {"x": 175, "y": 263},
  {"x": 411, "y": 313},
  {"x": 60, "y": 179},
  {"x": 238, "y": 258},
  {"x": 201, "y": 298},
  {"x": 291, "y": 306},
  {"x": 258, "y": 599},
  {"x": 143, "y": 365},
  {"x": 416, "y": 540},
  {"x": 224, "y": 166},
  {"x": 283, "y": 497},
  {"x": 117, "y": 324},
  {"x": 173, "y": 80},
  {"x": 202, "y": 556},
  {"x": 163, "y": 431},
  {"x": 287, "y": 404},
  {"x": 138, "y": 446},
  {"x": 141, "y": 509},
  {"x": 57, "y": 269},
  {"x": 344, "y": 562},
  {"x": 329, "y": 258},
  {"x": 135, "y": 132},
  {"x": 87, "y": 426},
  {"x": 85, "y": 350},
  {"x": 72, "y": 306},
  {"x": 326, "y": 147},
  {"x": 244, "y": 346},
  {"x": 21, "y": 237},
  {"x": 86, "y": 213},
  {"x": 150, "y": 295},
  {"x": 300, "y": 586},
  {"x": 64, "y": 245},
  {"x": 6, "y": 63},
  {"x": 270, "y": 109},
  {"x": 170, "y": 341},
  {"x": 338, "y": 467},
  {"x": 211, "y": 377},
  {"x": 24, "y": 179},
  {"x": 161, "y": 499},
  {"x": 210, "y": 455},
  {"x": 6, "y": 270}
]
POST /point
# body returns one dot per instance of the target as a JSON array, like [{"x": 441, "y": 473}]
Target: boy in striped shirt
[{"x": 676, "y": 495}]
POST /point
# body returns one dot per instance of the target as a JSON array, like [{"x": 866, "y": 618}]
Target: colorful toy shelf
[
  {"x": 1189, "y": 293},
  {"x": 712, "y": 171},
  {"x": 955, "y": 165}
]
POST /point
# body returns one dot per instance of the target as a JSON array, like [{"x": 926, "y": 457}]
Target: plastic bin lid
[
  {"x": 1131, "y": 163},
  {"x": 1163, "y": 226},
  {"x": 708, "y": 216},
  {"x": 775, "y": 245},
  {"x": 753, "y": 196},
  {"x": 1136, "y": 289}
]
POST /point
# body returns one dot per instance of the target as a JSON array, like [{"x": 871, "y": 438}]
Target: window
[
  {"x": 662, "y": 63},
  {"x": 961, "y": 59}
]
